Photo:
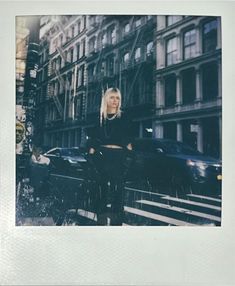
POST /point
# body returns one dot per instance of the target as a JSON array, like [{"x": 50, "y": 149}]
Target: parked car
[
  {"x": 176, "y": 167},
  {"x": 67, "y": 161}
]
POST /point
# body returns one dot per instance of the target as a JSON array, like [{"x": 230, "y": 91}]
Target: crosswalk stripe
[
  {"x": 164, "y": 196},
  {"x": 157, "y": 217},
  {"x": 204, "y": 197},
  {"x": 145, "y": 192},
  {"x": 181, "y": 210},
  {"x": 191, "y": 203},
  {"x": 92, "y": 216},
  {"x": 87, "y": 214}
]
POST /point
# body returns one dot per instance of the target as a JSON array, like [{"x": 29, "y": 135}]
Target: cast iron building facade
[
  {"x": 167, "y": 67},
  {"x": 188, "y": 81}
]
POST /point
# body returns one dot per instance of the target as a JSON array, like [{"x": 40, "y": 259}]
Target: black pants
[{"x": 109, "y": 163}]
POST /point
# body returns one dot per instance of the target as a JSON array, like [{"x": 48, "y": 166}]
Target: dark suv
[{"x": 176, "y": 167}]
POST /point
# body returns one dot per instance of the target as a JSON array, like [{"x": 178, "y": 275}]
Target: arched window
[
  {"x": 137, "y": 54},
  {"x": 126, "y": 28},
  {"x": 126, "y": 57},
  {"x": 149, "y": 48}
]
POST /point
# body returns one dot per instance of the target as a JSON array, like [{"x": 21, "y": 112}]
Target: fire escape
[{"x": 67, "y": 86}]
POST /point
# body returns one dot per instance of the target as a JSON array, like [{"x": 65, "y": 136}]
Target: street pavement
[{"x": 142, "y": 207}]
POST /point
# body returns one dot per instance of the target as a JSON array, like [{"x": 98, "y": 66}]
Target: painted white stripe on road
[
  {"x": 157, "y": 217},
  {"x": 87, "y": 214},
  {"x": 141, "y": 191},
  {"x": 180, "y": 210},
  {"x": 92, "y": 216},
  {"x": 191, "y": 203},
  {"x": 204, "y": 197}
]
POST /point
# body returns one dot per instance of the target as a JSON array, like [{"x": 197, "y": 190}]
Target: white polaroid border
[{"x": 114, "y": 255}]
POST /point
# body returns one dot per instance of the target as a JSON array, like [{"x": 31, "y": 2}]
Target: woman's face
[{"x": 113, "y": 101}]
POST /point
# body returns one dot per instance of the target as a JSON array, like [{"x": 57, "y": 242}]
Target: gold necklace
[{"x": 111, "y": 118}]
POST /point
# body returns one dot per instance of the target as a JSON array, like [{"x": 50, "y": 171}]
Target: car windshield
[
  {"x": 178, "y": 148},
  {"x": 71, "y": 152}
]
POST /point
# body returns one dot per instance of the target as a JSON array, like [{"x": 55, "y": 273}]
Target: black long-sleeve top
[{"x": 115, "y": 131}]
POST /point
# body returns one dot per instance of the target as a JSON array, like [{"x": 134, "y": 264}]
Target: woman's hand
[{"x": 91, "y": 151}]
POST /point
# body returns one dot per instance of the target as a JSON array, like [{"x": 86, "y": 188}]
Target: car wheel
[{"x": 179, "y": 185}]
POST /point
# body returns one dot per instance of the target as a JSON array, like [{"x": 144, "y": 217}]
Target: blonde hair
[{"x": 104, "y": 103}]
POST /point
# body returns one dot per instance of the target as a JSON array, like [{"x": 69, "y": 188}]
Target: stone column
[
  {"x": 179, "y": 48},
  {"x": 158, "y": 129},
  {"x": 200, "y": 136},
  {"x": 198, "y": 42},
  {"x": 198, "y": 85},
  {"x": 179, "y": 99},
  {"x": 179, "y": 131},
  {"x": 160, "y": 52},
  {"x": 160, "y": 100}
]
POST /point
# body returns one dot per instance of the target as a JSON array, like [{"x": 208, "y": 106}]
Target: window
[
  {"x": 79, "y": 27},
  {"x": 188, "y": 86},
  {"x": 61, "y": 39},
  {"x": 137, "y": 54},
  {"x": 103, "y": 68},
  {"x": 56, "y": 43},
  {"x": 189, "y": 44},
  {"x": 210, "y": 81},
  {"x": 210, "y": 36},
  {"x": 137, "y": 22},
  {"x": 59, "y": 63},
  {"x": 71, "y": 55},
  {"x": 149, "y": 17},
  {"x": 126, "y": 58},
  {"x": 72, "y": 31},
  {"x": 127, "y": 28},
  {"x": 78, "y": 51},
  {"x": 149, "y": 48},
  {"x": 58, "y": 88},
  {"x": 136, "y": 92},
  {"x": 92, "y": 45},
  {"x": 70, "y": 81},
  {"x": 111, "y": 34},
  {"x": 170, "y": 20},
  {"x": 55, "y": 89},
  {"x": 170, "y": 90},
  {"x": 171, "y": 53},
  {"x": 84, "y": 22},
  {"x": 170, "y": 130},
  {"x": 81, "y": 76},
  {"x": 111, "y": 66},
  {"x": 67, "y": 35},
  {"x": 83, "y": 47},
  {"x": 91, "y": 72},
  {"x": 103, "y": 40},
  {"x": 92, "y": 20},
  {"x": 66, "y": 56}
]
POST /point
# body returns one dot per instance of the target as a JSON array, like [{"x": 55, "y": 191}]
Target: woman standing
[{"x": 108, "y": 147}]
